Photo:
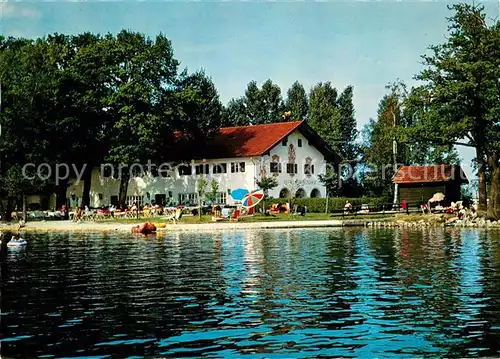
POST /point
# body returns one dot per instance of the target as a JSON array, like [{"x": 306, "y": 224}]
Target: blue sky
[{"x": 365, "y": 44}]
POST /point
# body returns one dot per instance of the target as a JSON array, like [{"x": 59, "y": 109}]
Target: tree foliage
[
  {"x": 89, "y": 98},
  {"x": 324, "y": 115},
  {"x": 347, "y": 124},
  {"x": 214, "y": 190},
  {"x": 266, "y": 184},
  {"x": 297, "y": 102},
  {"x": 460, "y": 96},
  {"x": 257, "y": 106},
  {"x": 235, "y": 113},
  {"x": 396, "y": 118}
]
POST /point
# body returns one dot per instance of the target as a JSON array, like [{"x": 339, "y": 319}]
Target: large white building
[{"x": 236, "y": 158}]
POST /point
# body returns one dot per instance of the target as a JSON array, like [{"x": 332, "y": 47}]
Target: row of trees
[
  {"x": 386, "y": 142},
  {"x": 89, "y": 98}
]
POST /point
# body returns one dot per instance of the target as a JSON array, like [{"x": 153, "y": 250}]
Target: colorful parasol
[
  {"x": 438, "y": 197},
  {"x": 252, "y": 198},
  {"x": 239, "y": 193}
]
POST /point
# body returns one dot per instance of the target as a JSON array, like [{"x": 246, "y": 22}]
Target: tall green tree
[
  {"x": 199, "y": 105},
  {"x": 296, "y": 102},
  {"x": 324, "y": 115},
  {"x": 140, "y": 73},
  {"x": 84, "y": 124},
  {"x": 253, "y": 103},
  {"x": 461, "y": 95},
  {"x": 272, "y": 103},
  {"x": 235, "y": 113},
  {"x": 387, "y": 142},
  {"x": 257, "y": 106},
  {"x": 415, "y": 149},
  {"x": 30, "y": 74},
  {"x": 378, "y": 156},
  {"x": 347, "y": 122},
  {"x": 332, "y": 116}
]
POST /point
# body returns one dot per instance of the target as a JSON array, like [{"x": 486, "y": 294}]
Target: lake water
[{"x": 303, "y": 293}]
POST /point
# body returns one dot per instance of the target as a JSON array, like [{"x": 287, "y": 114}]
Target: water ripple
[{"x": 276, "y": 294}]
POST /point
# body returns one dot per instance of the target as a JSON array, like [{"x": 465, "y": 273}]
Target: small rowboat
[{"x": 17, "y": 243}]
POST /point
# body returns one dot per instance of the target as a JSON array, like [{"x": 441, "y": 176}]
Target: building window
[
  {"x": 284, "y": 142},
  {"x": 308, "y": 169},
  {"x": 221, "y": 198},
  {"x": 309, "y": 143},
  {"x": 237, "y": 167},
  {"x": 164, "y": 171},
  {"x": 139, "y": 200},
  {"x": 202, "y": 169},
  {"x": 114, "y": 201},
  {"x": 108, "y": 172},
  {"x": 160, "y": 199},
  {"x": 136, "y": 171},
  {"x": 275, "y": 167},
  {"x": 299, "y": 142},
  {"x": 219, "y": 168},
  {"x": 188, "y": 198},
  {"x": 101, "y": 196},
  {"x": 291, "y": 168},
  {"x": 185, "y": 170}
]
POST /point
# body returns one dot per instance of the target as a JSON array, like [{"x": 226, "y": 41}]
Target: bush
[{"x": 335, "y": 204}]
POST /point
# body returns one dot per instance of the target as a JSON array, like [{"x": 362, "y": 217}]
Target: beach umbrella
[
  {"x": 438, "y": 197},
  {"x": 252, "y": 198},
  {"x": 239, "y": 193}
]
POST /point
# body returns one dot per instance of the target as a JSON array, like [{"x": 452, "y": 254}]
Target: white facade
[
  {"x": 309, "y": 185},
  {"x": 177, "y": 188}
]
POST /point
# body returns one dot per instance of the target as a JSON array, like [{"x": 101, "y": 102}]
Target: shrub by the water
[{"x": 318, "y": 205}]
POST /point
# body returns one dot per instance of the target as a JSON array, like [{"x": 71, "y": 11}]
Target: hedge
[{"x": 318, "y": 205}]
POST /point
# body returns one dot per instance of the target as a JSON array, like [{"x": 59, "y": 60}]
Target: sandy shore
[{"x": 67, "y": 226}]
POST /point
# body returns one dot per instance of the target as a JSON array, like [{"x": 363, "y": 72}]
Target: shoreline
[
  {"x": 107, "y": 227},
  {"x": 65, "y": 226}
]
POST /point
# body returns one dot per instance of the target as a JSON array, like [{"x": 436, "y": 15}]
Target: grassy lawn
[{"x": 257, "y": 218}]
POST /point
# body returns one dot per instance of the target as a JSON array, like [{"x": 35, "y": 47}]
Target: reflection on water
[{"x": 300, "y": 293}]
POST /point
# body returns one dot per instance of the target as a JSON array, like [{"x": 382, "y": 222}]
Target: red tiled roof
[
  {"x": 429, "y": 174},
  {"x": 244, "y": 141},
  {"x": 240, "y": 141},
  {"x": 247, "y": 141}
]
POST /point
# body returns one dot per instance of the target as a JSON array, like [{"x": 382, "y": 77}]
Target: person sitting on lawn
[{"x": 347, "y": 207}]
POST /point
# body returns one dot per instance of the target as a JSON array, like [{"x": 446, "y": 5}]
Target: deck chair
[
  {"x": 176, "y": 217},
  {"x": 235, "y": 216},
  {"x": 224, "y": 215}
]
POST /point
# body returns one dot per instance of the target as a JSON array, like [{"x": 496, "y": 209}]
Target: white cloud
[{"x": 17, "y": 10}]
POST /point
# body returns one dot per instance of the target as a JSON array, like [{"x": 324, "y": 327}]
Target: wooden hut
[{"x": 417, "y": 184}]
